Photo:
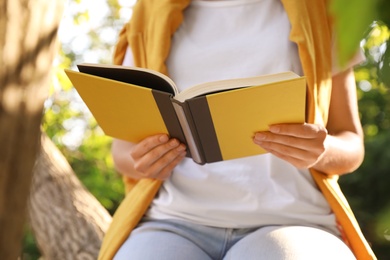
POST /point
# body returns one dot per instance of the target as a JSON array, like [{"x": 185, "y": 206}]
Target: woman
[{"x": 260, "y": 207}]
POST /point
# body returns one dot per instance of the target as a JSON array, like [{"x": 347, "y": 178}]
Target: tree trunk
[
  {"x": 68, "y": 222},
  {"x": 28, "y": 30}
]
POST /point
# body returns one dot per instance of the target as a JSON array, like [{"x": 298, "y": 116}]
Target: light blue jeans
[{"x": 176, "y": 240}]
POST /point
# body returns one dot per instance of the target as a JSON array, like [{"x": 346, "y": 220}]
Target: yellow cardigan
[{"x": 149, "y": 36}]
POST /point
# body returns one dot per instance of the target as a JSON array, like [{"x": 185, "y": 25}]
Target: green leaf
[
  {"x": 384, "y": 71},
  {"x": 352, "y": 20}
]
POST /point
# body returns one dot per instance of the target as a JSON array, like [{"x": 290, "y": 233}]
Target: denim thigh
[{"x": 177, "y": 239}]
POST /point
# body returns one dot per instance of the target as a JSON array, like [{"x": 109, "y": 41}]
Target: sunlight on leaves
[{"x": 88, "y": 33}]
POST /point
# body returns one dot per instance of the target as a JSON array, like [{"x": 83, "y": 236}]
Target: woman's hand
[
  {"x": 154, "y": 157},
  {"x": 302, "y": 145},
  {"x": 338, "y": 149}
]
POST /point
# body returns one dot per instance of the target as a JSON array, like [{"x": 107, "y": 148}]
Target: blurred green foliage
[
  {"x": 74, "y": 131},
  {"x": 353, "y": 20},
  {"x": 367, "y": 189}
]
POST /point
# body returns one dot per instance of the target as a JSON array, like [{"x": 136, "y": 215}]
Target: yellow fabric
[{"x": 149, "y": 35}]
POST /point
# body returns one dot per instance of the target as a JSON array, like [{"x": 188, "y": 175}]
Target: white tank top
[{"x": 227, "y": 39}]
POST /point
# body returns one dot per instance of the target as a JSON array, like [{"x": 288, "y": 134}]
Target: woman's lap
[
  {"x": 290, "y": 242},
  {"x": 172, "y": 239}
]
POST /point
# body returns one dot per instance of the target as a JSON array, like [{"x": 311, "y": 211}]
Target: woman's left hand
[{"x": 299, "y": 144}]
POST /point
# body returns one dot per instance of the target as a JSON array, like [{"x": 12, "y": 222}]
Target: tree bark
[
  {"x": 28, "y": 30},
  {"x": 68, "y": 221}
]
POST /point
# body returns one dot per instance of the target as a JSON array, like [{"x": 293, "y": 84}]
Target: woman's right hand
[{"x": 154, "y": 157}]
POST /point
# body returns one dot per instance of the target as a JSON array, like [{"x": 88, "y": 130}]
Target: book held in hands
[{"x": 216, "y": 120}]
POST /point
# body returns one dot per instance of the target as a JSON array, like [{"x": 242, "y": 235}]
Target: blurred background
[{"x": 89, "y": 31}]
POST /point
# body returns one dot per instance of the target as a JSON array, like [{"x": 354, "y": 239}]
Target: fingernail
[
  {"x": 274, "y": 129},
  {"x": 181, "y": 148},
  {"x": 163, "y": 138},
  {"x": 173, "y": 142},
  {"x": 259, "y": 136}
]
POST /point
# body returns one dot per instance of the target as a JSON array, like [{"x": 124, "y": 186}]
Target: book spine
[
  {"x": 203, "y": 121},
  {"x": 189, "y": 131},
  {"x": 168, "y": 113}
]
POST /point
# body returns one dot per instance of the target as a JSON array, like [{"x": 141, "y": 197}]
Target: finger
[
  {"x": 313, "y": 145},
  {"x": 297, "y": 162},
  {"x": 303, "y": 136},
  {"x": 299, "y": 130},
  {"x": 147, "y": 144},
  {"x": 166, "y": 172},
  {"x": 172, "y": 147},
  {"x": 291, "y": 153},
  {"x": 162, "y": 167},
  {"x": 267, "y": 138},
  {"x": 157, "y": 158}
]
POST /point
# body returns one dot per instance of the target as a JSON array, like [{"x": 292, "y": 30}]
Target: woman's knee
[{"x": 290, "y": 242}]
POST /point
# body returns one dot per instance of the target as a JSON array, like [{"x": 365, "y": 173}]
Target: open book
[{"x": 216, "y": 120}]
